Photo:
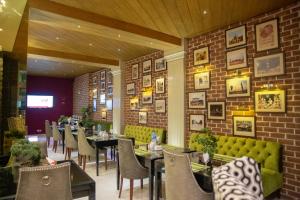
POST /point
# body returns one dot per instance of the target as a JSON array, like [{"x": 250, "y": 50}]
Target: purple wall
[{"x": 62, "y": 91}]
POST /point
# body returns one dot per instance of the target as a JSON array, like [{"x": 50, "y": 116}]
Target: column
[{"x": 116, "y": 100}]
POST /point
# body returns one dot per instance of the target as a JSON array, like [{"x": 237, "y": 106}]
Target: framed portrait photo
[
  {"x": 103, "y": 116},
  {"x": 267, "y": 35},
  {"x": 109, "y": 77},
  {"x": 160, "y": 65},
  {"x": 160, "y": 86},
  {"x": 201, "y": 56},
  {"x": 94, "y": 105},
  {"x": 238, "y": 87},
  {"x": 102, "y": 75},
  {"x": 216, "y": 110},
  {"x": 270, "y": 65},
  {"x": 130, "y": 88},
  {"x": 147, "y": 97},
  {"x": 270, "y": 101},
  {"x": 143, "y": 117},
  {"x": 197, "y": 122},
  {"x": 197, "y": 100},
  {"x": 102, "y": 99},
  {"x": 95, "y": 80},
  {"x": 147, "y": 66},
  {"x": 147, "y": 81},
  {"x": 160, "y": 106},
  {"x": 109, "y": 90},
  {"x": 134, "y": 103},
  {"x": 102, "y": 86},
  {"x": 236, "y": 59},
  {"x": 236, "y": 37},
  {"x": 244, "y": 126},
  {"x": 202, "y": 80},
  {"x": 95, "y": 93},
  {"x": 135, "y": 71}
]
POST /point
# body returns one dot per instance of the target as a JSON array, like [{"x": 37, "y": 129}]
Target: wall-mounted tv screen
[{"x": 39, "y": 101}]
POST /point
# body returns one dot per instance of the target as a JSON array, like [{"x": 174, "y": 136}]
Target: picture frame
[
  {"x": 102, "y": 75},
  {"x": 94, "y": 105},
  {"x": 197, "y": 100},
  {"x": 103, "y": 115},
  {"x": 270, "y": 101},
  {"x": 267, "y": 35},
  {"x": 109, "y": 77},
  {"x": 244, "y": 126},
  {"x": 238, "y": 86},
  {"x": 160, "y": 86},
  {"x": 135, "y": 71},
  {"x": 94, "y": 80},
  {"x": 236, "y": 59},
  {"x": 109, "y": 104},
  {"x": 142, "y": 117},
  {"x": 236, "y": 36},
  {"x": 160, "y": 65},
  {"x": 130, "y": 89},
  {"x": 160, "y": 106},
  {"x": 134, "y": 103},
  {"x": 147, "y": 81},
  {"x": 95, "y": 93},
  {"x": 202, "y": 80},
  {"x": 102, "y": 86},
  {"x": 147, "y": 97},
  {"x": 147, "y": 66},
  {"x": 216, "y": 110},
  {"x": 270, "y": 65},
  {"x": 102, "y": 99},
  {"x": 197, "y": 122},
  {"x": 109, "y": 90},
  {"x": 201, "y": 56}
]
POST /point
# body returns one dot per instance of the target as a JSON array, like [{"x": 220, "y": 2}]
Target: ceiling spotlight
[
  {"x": 78, "y": 26},
  {"x": 90, "y": 44},
  {"x": 119, "y": 35},
  {"x": 151, "y": 43},
  {"x": 57, "y": 38},
  {"x": 204, "y": 12},
  {"x": 1, "y": 29},
  {"x": 119, "y": 49}
]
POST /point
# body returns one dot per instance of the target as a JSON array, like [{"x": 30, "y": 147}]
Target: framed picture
[
  {"x": 134, "y": 103},
  {"x": 143, "y": 117},
  {"x": 135, "y": 71},
  {"x": 147, "y": 97},
  {"x": 160, "y": 65},
  {"x": 216, "y": 110},
  {"x": 160, "y": 106},
  {"x": 238, "y": 87},
  {"x": 102, "y": 99},
  {"x": 244, "y": 126},
  {"x": 94, "y": 105},
  {"x": 197, "y": 122},
  {"x": 236, "y": 59},
  {"x": 110, "y": 90},
  {"x": 147, "y": 66},
  {"x": 95, "y": 93},
  {"x": 197, "y": 100},
  {"x": 102, "y": 86},
  {"x": 270, "y": 101},
  {"x": 130, "y": 89},
  {"x": 103, "y": 115},
  {"x": 202, "y": 80},
  {"x": 201, "y": 56},
  {"x": 109, "y": 77},
  {"x": 147, "y": 81},
  {"x": 109, "y": 104},
  {"x": 94, "y": 80},
  {"x": 160, "y": 86},
  {"x": 236, "y": 36},
  {"x": 102, "y": 75},
  {"x": 267, "y": 35},
  {"x": 271, "y": 65}
]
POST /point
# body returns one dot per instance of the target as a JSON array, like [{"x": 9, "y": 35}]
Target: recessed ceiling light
[
  {"x": 57, "y": 38},
  {"x": 78, "y": 26},
  {"x": 151, "y": 43},
  {"x": 119, "y": 35},
  {"x": 204, "y": 12},
  {"x": 1, "y": 29},
  {"x": 90, "y": 44},
  {"x": 119, "y": 49}
]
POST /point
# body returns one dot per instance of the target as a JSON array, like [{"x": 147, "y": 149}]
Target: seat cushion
[{"x": 272, "y": 181}]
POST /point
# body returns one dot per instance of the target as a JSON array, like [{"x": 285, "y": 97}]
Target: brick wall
[
  {"x": 280, "y": 127},
  {"x": 131, "y": 117},
  {"x": 80, "y": 93}
]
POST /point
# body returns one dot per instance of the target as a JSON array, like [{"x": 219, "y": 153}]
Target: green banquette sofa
[
  {"x": 142, "y": 134},
  {"x": 266, "y": 153}
]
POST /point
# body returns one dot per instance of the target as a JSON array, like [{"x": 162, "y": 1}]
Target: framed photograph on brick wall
[
  {"x": 270, "y": 101},
  {"x": 109, "y": 104},
  {"x": 134, "y": 103},
  {"x": 103, "y": 116},
  {"x": 94, "y": 105},
  {"x": 201, "y": 56},
  {"x": 135, "y": 71},
  {"x": 160, "y": 106},
  {"x": 238, "y": 87},
  {"x": 160, "y": 65},
  {"x": 270, "y": 65},
  {"x": 109, "y": 90},
  {"x": 244, "y": 126},
  {"x": 236, "y": 37},
  {"x": 102, "y": 99},
  {"x": 202, "y": 80},
  {"x": 236, "y": 59},
  {"x": 147, "y": 65},
  {"x": 216, "y": 110},
  {"x": 267, "y": 35},
  {"x": 109, "y": 77},
  {"x": 147, "y": 97},
  {"x": 143, "y": 117},
  {"x": 197, "y": 100},
  {"x": 197, "y": 122},
  {"x": 130, "y": 88},
  {"x": 102, "y": 75},
  {"x": 95, "y": 80},
  {"x": 95, "y": 93},
  {"x": 102, "y": 86},
  {"x": 147, "y": 81},
  {"x": 160, "y": 86}
]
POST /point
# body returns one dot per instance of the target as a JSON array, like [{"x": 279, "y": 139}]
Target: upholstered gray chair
[
  {"x": 71, "y": 143},
  {"x": 45, "y": 182},
  {"x": 85, "y": 149},
  {"x": 56, "y": 136},
  {"x": 48, "y": 131},
  {"x": 180, "y": 181},
  {"x": 130, "y": 167}
]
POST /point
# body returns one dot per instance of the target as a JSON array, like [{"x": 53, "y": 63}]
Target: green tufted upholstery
[
  {"x": 267, "y": 153},
  {"x": 142, "y": 134}
]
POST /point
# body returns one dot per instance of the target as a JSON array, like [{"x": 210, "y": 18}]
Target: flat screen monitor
[{"x": 39, "y": 101}]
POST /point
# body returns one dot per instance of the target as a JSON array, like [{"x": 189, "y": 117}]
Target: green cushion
[
  {"x": 142, "y": 134},
  {"x": 272, "y": 181},
  {"x": 196, "y": 167}
]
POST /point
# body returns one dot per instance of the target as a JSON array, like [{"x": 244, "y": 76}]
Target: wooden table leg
[
  {"x": 151, "y": 174},
  {"x": 118, "y": 171},
  {"x": 97, "y": 161},
  {"x": 63, "y": 141}
]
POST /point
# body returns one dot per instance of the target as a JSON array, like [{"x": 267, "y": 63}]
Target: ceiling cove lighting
[
  {"x": 1, "y": 29},
  {"x": 2, "y": 5}
]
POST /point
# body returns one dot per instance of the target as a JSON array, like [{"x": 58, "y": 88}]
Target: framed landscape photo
[
  {"x": 103, "y": 115},
  {"x": 135, "y": 71},
  {"x": 102, "y": 75},
  {"x": 147, "y": 66},
  {"x": 236, "y": 37},
  {"x": 130, "y": 88},
  {"x": 147, "y": 97},
  {"x": 143, "y": 117},
  {"x": 197, "y": 100},
  {"x": 270, "y": 101},
  {"x": 216, "y": 110},
  {"x": 197, "y": 122},
  {"x": 270, "y": 65},
  {"x": 236, "y": 59},
  {"x": 102, "y": 99},
  {"x": 267, "y": 35},
  {"x": 202, "y": 80},
  {"x": 95, "y": 93},
  {"x": 160, "y": 86},
  {"x": 134, "y": 103},
  {"x": 160, "y": 65},
  {"x": 238, "y": 87},
  {"x": 244, "y": 126},
  {"x": 160, "y": 106},
  {"x": 147, "y": 81},
  {"x": 201, "y": 56}
]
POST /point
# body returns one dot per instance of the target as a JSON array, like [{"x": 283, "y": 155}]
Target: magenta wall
[{"x": 62, "y": 91}]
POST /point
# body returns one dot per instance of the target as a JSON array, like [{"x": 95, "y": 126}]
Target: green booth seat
[
  {"x": 266, "y": 153},
  {"x": 104, "y": 126}
]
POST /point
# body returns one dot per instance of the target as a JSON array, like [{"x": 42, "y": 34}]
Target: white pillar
[{"x": 116, "y": 100}]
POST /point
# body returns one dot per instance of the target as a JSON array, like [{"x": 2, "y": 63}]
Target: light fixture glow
[
  {"x": 1, "y": 29},
  {"x": 204, "y": 12},
  {"x": 119, "y": 35},
  {"x": 119, "y": 49},
  {"x": 57, "y": 38},
  {"x": 78, "y": 26},
  {"x": 90, "y": 44}
]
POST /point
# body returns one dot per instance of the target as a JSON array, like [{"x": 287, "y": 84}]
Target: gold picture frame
[{"x": 270, "y": 101}]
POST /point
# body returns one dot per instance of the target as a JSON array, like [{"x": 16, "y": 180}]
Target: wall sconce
[
  {"x": 269, "y": 86},
  {"x": 243, "y": 110}
]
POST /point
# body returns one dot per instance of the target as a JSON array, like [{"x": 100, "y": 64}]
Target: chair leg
[
  {"x": 105, "y": 159},
  {"x": 69, "y": 154},
  {"x": 131, "y": 189},
  {"x": 66, "y": 152},
  {"x": 79, "y": 159},
  {"x": 89, "y": 158},
  {"x": 121, "y": 186},
  {"x": 48, "y": 141},
  {"x": 142, "y": 183},
  {"x": 54, "y": 146},
  {"x": 84, "y": 162}
]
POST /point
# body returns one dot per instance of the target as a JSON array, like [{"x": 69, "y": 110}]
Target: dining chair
[
  {"x": 56, "y": 136},
  {"x": 180, "y": 180},
  {"x": 85, "y": 149},
  {"x": 130, "y": 168},
  {"x": 45, "y": 182},
  {"x": 70, "y": 142},
  {"x": 48, "y": 131}
]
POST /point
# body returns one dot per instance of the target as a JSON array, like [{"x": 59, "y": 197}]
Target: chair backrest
[
  {"x": 55, "y": 132},
  {"x": 180, "y": 181},
  {"x": 84, "y": 147},
  {"x": 70, "y": 140},
  {"x": 48, "y": 131},
  {"x": 46, "y": 183}
]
